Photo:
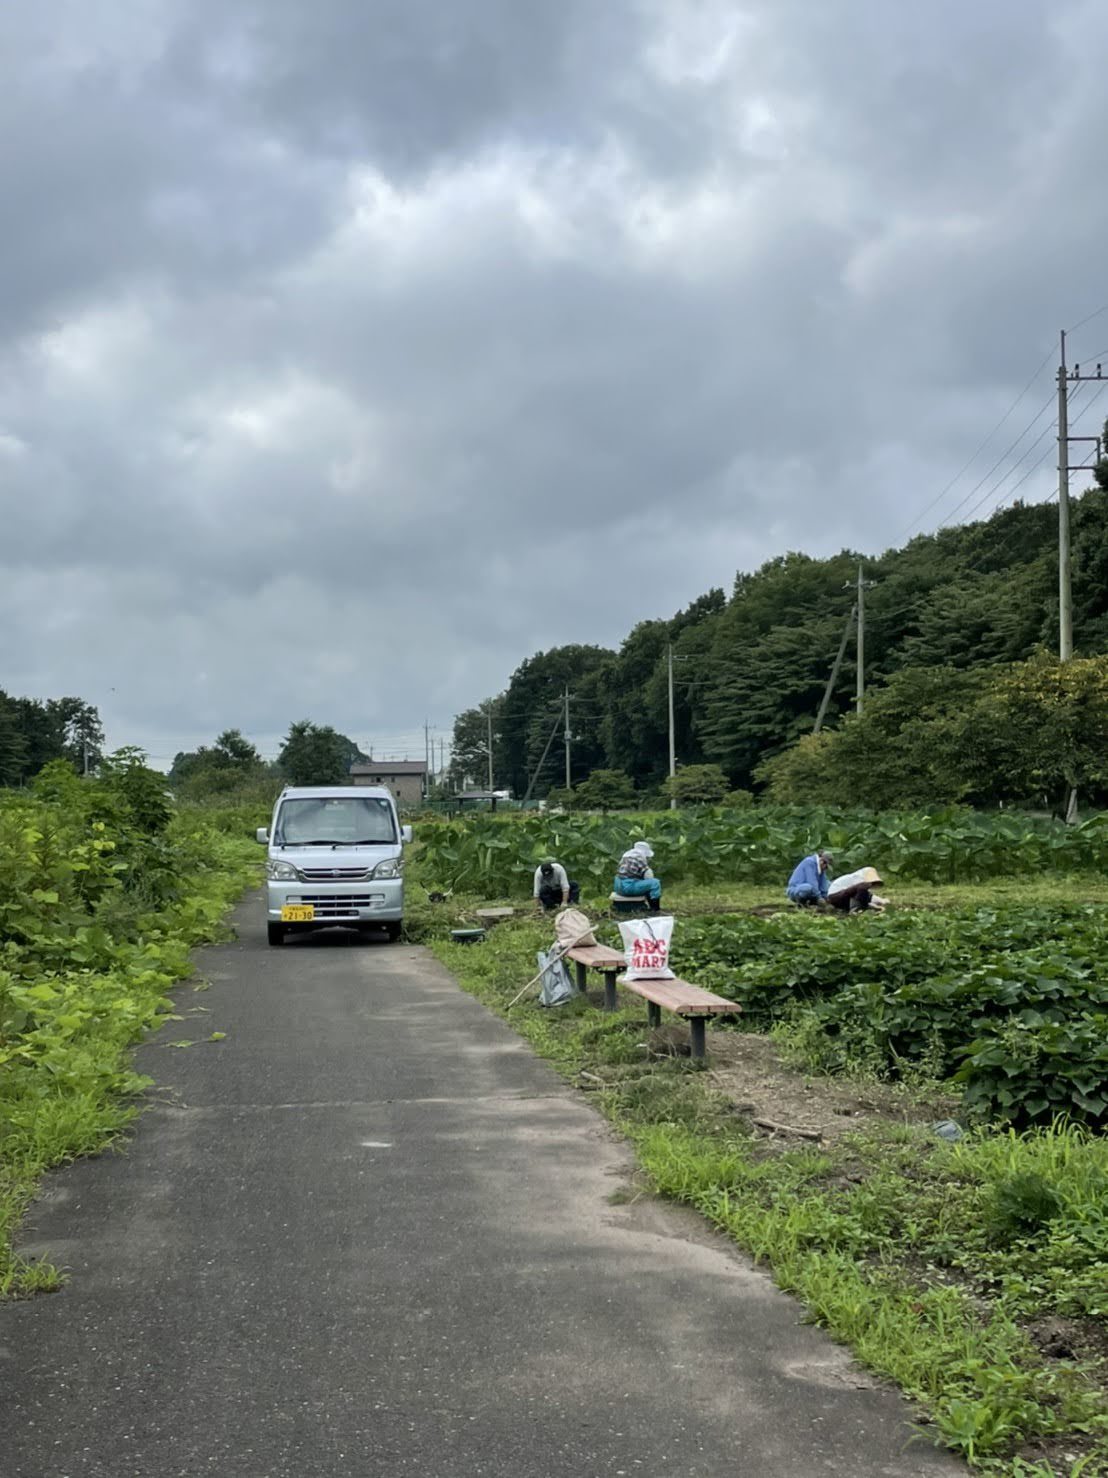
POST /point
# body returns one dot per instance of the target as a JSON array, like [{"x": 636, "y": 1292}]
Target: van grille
[
  {"x": 336, "y": 905},
  {"x": 334, "y": 874}
]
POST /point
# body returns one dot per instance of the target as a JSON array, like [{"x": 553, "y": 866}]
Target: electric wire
[
  {"x": 1071, "y": 400},
  {"x": 963, "y": 470},
  {"x": 1096, "y": 313},
  {"x": 1088, "y": 318},
  {"x": 1002, "y": 458}
]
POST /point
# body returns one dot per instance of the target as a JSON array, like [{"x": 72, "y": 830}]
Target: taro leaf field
[
  {"x": 1009, "y": 1003},
  {"x": 758, "y": 845}
]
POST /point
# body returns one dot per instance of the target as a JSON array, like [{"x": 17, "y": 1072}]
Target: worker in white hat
[
  {"x": 635, "y": 879},
  {"x": 853, "y": 892}
]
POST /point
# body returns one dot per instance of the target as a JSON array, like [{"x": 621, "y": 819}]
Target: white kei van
[{"x": 335, "y": 856}]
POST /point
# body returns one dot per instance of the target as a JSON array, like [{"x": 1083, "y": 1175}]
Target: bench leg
[
  {"x": 697, "y": 1025},
  {"x": 582, "y": 976},
  {"x": 653, "y": 1013},
  {"x": 611, "y": 1000}
]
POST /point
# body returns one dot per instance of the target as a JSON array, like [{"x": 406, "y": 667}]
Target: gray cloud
[{"x": 347, "y": 355}]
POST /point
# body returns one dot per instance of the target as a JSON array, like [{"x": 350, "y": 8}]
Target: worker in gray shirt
[{"x": 553, "y": 888}]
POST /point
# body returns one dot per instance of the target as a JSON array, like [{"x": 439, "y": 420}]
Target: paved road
[{"x": 370, "y": 1234}]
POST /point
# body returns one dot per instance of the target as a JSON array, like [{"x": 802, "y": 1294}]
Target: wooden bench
[
  {"x": 610, "y": 962},
  {"x": 687, "y": 1001}
]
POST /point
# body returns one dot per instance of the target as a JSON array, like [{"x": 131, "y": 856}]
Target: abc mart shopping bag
[{"x": 646, "y": 947}]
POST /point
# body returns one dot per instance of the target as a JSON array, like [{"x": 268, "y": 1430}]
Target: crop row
[
  {"x": 1010, "y": 1003},
  {"x": 758, "y": 844}
]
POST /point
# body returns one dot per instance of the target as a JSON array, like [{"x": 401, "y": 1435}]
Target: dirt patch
[
  {"x": 1071, "y": 1339},
  {"x": 1060, "y": 1454},
  {"x": 796, "y": 1106}
]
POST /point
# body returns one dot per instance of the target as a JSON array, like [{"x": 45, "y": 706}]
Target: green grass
[
  {"x": 931, "y": 1260},
  {"x": 976, "y": 1372}
]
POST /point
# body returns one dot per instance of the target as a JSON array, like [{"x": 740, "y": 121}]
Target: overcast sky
[{"x": 352, "y": 351}]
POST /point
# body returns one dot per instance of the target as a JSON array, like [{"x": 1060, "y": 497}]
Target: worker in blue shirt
[{"x": 810, "y": 881}]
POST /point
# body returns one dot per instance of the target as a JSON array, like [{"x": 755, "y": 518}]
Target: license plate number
[{"x": 297, "y": 913}]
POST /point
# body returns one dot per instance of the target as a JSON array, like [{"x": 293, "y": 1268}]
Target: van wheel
[
  {"x": 275, "y": 933},
  {"x": 394, "y": 931}
]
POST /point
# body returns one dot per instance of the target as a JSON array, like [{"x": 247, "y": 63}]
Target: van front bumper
[{"x": 339, "y": 903}]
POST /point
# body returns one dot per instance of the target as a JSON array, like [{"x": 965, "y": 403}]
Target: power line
[
  {"x": 1005, "y": 546},
  {"x": 1087, "y": 319},
  {"x": 1096, "y": 313},
  {"x": 1073, "y": 396},
  {"x": 1003, "y": 457},
  {"x": 962, "y": 472},
  {"x": 1004, "y": 476}
]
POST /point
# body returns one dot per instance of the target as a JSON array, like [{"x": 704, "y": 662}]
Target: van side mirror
[
  {"x": 405, "y": 833},
  {"x": 262, "y": 836}
]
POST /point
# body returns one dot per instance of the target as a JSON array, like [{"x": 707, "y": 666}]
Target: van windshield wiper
[{"x": 332, "y": 842}]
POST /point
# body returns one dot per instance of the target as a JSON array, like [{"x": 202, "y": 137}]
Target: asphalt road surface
[{"x": 370, "y": 1234}]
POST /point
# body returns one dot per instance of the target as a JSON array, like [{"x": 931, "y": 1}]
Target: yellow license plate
[{"x": 297, "y": 913}]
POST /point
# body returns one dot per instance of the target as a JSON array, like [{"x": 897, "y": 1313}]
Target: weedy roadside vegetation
[
  {"x": 104, "y": 888},
  {"x": 974, "y": 1273}
]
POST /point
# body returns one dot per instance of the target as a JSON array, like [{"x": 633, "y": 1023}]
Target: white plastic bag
[
  {"x": 646, "y": 946},
  {"x": 556, "y": 986}
]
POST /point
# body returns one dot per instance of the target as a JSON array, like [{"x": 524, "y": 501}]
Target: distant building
[{"x": 405, "y": 778}]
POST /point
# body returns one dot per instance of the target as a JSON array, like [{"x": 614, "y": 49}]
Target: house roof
[{"x": 390, "y": 767}]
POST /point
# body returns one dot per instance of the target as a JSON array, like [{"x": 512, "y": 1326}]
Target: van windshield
[{"x": 334, "y": 821}]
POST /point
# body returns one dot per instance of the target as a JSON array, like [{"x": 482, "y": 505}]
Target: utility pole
[
  {"x": 542, "y": 758},
  {"x": 427, "y": 761},
  {"x": 833, "y": 679},
  {"x": 1066, "y": 378},
  {"x": 569, "y": 776},
  {"x": 672, "y": 739},
  {"x": 488, "y": 716},
  {"x": 1065, "y": 583},
  {"x": 859, "y": 614},
  {"x": 861, "y": 617}
]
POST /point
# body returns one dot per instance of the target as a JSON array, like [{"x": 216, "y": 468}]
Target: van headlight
[
  {"x": 281, "y": 872},
  {"x": 392, "y": 867}
]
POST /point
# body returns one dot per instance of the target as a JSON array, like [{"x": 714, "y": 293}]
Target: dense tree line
[
  {"x": 1030, "y": 733},
  {"x": 750, "y": 668},
  {"x": 312, "y": 754},
  {"x": 33, "y": 732}
]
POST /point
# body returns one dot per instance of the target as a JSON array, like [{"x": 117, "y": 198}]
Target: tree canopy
[
  {"x": 945, "y": 615},
  {"x": 34, "y": 732},
  {"x": 316, "y": 754}
]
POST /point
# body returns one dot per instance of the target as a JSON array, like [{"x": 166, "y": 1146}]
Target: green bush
[
  {"x": 697, "y": 785},
  {"x": 103, "y": 888}
]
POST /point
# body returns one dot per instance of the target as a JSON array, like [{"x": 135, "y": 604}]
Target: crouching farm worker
[
  {"x": 634, "y": 878},
  {"x": 853, "y": 892},
  {"x": 553, "y": 888},
  {"x": 810, "y": 881}
]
